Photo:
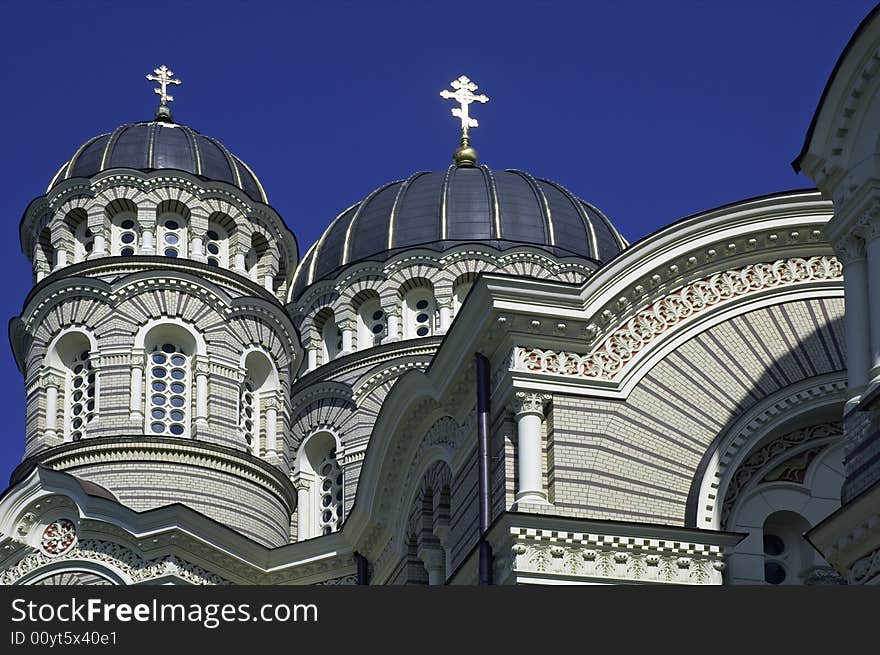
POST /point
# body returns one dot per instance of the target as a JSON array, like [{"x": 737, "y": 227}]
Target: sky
[{"x": 649, "y": 110}]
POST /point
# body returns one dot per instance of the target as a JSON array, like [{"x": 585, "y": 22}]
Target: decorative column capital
[
  {"x": 202, "y": 365},
  {"x": 868, "y": 223},
  {"x": 529, "y": 402},
  {"x": 272, "y": 403},
  {"x": 346, "y": 324},
  {"x": 444, "y": 302},
  {"x": 51, "y": 379},
  {"x": 391, "y": 309},
  {"x": 849, "y": 249},
  {"x": 138, "y": 360}
]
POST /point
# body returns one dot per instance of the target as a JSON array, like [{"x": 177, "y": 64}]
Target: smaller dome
[
  {"x": 463, "y": 204},
  {"x": 157, "y": 145}
]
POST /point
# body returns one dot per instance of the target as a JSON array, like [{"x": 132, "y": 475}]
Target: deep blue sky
[{"x": 650, "y": 110}]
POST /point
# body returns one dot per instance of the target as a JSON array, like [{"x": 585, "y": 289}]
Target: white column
[
  {"x": 347, "y": 328},
  {"x": 433, "y": 558},
  {"x": 137, "y": 388},
  {"x": 529, "y": 416},
  {"x": 267, "y": 283},
  {"x": 303, "y": 514},
  {"x": 195, "y": 248},
  {"x": 202, "y": 393},
  {"x": 52, "y": 383},
  {"x": 271, "y": 427},
  {"x": 60, "y": 257},
  {"x": 238, "y": 262},
  {"x": 851, "y": 251},
  {"x": 147, "y": 247},
  {"x": 100, "y": 249},
  {"x": 445, "y": 314},
  {"x": 312, "y": 359},
  {"x": 393, "y": 327}
]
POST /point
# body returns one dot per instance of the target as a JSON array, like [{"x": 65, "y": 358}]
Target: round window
[{"x": 774, "y": 573}]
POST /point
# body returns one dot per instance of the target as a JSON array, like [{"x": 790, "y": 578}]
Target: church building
[{"x": 471, "y": 377}]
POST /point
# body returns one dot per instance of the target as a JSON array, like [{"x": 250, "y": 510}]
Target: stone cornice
[
  {"x": 116, "y": 267},
  {"x": 389, "y": 353},
  {"x": 563, "y": 549},
  {"x": 188, "y": 452}
]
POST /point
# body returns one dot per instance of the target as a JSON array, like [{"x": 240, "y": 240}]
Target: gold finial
[
  {"x": 163, "y": 76},
  {"x": 464, "y": 95}
]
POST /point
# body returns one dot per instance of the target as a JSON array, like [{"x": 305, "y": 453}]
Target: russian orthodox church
[{"x": 471, "y": 377}]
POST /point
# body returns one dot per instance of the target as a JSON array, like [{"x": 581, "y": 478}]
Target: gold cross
[
  {"x": 163, "y": 77},
  {"x": 464, "y": 95}
]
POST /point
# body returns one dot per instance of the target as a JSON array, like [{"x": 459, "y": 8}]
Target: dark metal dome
[
  {"x": 460, "y": 205},
  {"x": 161, "y": 145}
]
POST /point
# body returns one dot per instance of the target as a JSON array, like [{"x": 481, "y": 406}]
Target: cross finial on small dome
[
  {"x": 163, "y": 76},
  {"x": 464, "y": 155}
]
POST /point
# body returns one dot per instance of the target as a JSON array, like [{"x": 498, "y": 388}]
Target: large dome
[
  {"x": 161, "y": 144},
  {"x": 461, "y": 205}
]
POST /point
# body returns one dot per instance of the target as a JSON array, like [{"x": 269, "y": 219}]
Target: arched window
[
  {"x": 217, "y": 246},
  {"x": 124, "y": 235},
  {"x": 419, "y": 310},
  {"x": 71, "y": 355},
  {"x": 320, "y": 509},
  {"x": 77, "y": 222},
  {"x": 259, "y": 386},
  {"x": 787, "y": 555},
  {"x": 331, "y": 338},
  {"x": 172, "y": 235},
  {"x": 45, "y": 251},
  {"x": 250, "y": 264},
  {"x": 250, "y": 414},
  {"x": 372, "y": 324},
  {"x": 169, "y": 389},
  {"x": 329, "y": 494},
  {"x": 84, "y": 242}
]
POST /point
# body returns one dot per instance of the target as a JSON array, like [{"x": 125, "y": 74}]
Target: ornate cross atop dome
[
  {"x": 464, "y": 95},
  {"x": 163, "y": 75}
]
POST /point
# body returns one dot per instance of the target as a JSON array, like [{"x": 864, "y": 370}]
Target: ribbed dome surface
[
  {"x": 461, "y": 205},
  {"x": 161, "y": 145}
]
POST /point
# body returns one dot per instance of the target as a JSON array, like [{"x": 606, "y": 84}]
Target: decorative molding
[
  {"x": 168, "y": 450},
  {"x": 118, "y": 557},
  {"x": 600, "y": 557},
  {"x": 344, "y": 580},
  {"x": 866, "y": 569},
  {"x": 777, "y": 449},
  {"x": 58, "y": 537},
  {"x": 637, "y": 334}
]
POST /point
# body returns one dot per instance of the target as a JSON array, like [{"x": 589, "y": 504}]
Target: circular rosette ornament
[{"x": 58, "y": 537}]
